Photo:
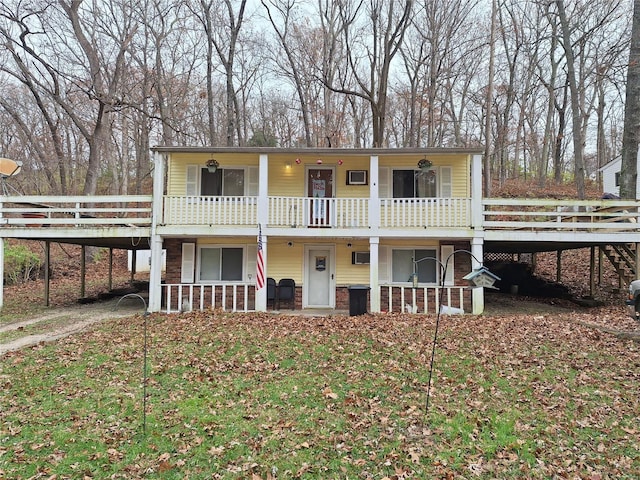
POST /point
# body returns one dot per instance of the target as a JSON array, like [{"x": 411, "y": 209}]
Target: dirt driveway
[{"x": 60, "y": 322}]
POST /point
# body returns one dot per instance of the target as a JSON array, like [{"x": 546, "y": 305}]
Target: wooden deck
[{"x": 101, "y": 220}]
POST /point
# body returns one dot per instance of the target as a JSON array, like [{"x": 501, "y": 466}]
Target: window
[
  {"x": 414, "y": 184},
  {"x": 227, "y": 182},
  {"x": 220, "y": 264},
  {"x": 402, "y": 263}
]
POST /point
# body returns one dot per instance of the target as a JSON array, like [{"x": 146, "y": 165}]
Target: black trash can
[{"x": 358, "y": 299}]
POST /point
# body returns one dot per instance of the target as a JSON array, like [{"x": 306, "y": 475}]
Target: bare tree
[
  {"x": 378, "y": 42},
  {"x": 631, "y": 136}
]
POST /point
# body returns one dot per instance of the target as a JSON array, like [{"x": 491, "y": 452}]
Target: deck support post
[
  {"x": 638, "y": 260},
  {"x": 592, "y": 272},
  {"x": 83, "y": 270},
  {"x": 374, "y": 283},
  {"x": 558, "y": 265},
  {"x": 47, "y": 277},
  {"x": 134, "y": 260},
  {"x": 110, "y": 268}
]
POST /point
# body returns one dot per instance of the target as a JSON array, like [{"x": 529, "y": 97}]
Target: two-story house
[
  {"x": 328, "y": 219},
  {"x": 407, "y": 227}
]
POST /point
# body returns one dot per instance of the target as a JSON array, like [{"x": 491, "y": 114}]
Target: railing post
[
  {"x": 476, "y": 192},
  {"x": 374, "y": 195},
  {"x": 374, "y": 284}
]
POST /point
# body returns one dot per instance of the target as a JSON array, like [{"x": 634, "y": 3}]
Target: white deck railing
[
  {"x": 210, "y": 210},
  {"x": 425, "y": 212},
  {"x": 75, "y": 211},
  {"x": 240, "y": 297},
  {"x": 428, "y": 299},
  {"x": 234, "y": 297},
  {"x": 561, "y": 215},
  {"x": 318, "y": 212}
]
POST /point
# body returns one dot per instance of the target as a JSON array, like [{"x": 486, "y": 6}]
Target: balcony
[{"x": 335, "y": 213}]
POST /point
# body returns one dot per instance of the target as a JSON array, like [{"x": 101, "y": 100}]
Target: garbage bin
[{"x": 358, "y": 299}]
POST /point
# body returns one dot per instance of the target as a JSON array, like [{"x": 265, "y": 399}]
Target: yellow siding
[
  {"x": 284, "y": 261},
  {"x": 346, "y": 273},
  {"x": 291, "y": 181}
]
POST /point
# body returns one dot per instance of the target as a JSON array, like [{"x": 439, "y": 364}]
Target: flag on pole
[{"x": 260, "y": 263}]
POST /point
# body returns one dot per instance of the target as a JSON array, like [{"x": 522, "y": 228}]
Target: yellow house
[
  {"x": 378, "y": 230},
  {"x": 339, "y": 224}
]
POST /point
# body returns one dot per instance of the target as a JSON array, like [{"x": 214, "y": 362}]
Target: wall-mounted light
[
  {"x": 287, "y": 165},
  {"x": 289, "y": 244},
  {"x": 340, "y": 162},
  {"x": 349, "y": 245},
  {"x": 298, "y": 161},
  {"x": 319, "y": 161}
]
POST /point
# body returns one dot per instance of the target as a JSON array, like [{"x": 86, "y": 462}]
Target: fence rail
[{"x": 75, "y": 211}]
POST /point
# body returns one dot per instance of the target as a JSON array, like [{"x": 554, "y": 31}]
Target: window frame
[
  {"x": 193, "y": 180},
  {"x": 221, "y": 247},
  {"x": 436, "y": 263}
]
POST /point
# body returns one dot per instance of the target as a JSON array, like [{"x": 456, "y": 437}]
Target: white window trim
[
  {"x": 413, "y": 249},
  {"x": 250, "y": 174},
  {"x": 221, "y": 246}
]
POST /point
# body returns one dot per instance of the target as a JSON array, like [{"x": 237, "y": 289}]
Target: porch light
[
  {"x": 287, "y": 165},
  {"x": 319, "y": 161},
  {"x": 212, "y": 165}
]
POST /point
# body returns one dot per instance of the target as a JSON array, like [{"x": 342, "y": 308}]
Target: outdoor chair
[{"x": 286, "y": 292}]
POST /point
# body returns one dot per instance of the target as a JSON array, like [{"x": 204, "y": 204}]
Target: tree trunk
[{"x": 631, "y": 135}]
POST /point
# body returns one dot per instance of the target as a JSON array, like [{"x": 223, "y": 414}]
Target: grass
[{"x": 259, "y": 396}]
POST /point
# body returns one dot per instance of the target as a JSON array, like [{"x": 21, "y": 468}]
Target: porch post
[
  {"x": 476, "y": 192},
  {"x": 477, "y": 293},
  {"x": 261, "y": 295},
  {"x": 155, "y": 242},
  {"x": 263, "y": 213},
  {"x": 374, "y": 196},
  {"x": 374, "y": 293}
]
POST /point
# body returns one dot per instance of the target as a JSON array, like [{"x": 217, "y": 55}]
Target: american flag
[{"x": 260, "y": 263}]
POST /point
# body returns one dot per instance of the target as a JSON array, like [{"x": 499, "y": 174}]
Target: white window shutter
[
  {"x": 383, "y": 183},
  {"x": 188, "y": 262},
  {"x": 446, "y": 251},
  {"x": 251, "y": 260},
  {"x": 253, "y": 177},
  {"x": 192, "y": 181},
  {"x": 383, "y": 265},
  {"x": 446, "y": 182}
]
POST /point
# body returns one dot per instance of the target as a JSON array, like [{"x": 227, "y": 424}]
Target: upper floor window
[
  {"x": 414, "y": 184},
  {"x": 225, "y": 181}
]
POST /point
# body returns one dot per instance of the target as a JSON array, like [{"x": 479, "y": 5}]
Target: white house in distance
[{"x": 611, "y": 176}]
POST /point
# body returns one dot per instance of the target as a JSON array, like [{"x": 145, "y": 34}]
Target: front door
[
  {"x": 319, "y": 282},
  {"x": 320, "y": 190}
]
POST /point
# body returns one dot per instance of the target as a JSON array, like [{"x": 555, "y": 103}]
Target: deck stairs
[{"x": 623, "y": 259}]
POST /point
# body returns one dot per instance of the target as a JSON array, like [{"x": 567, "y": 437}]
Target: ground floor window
[
  {"x": 403, "y": 261},
  {"x": 221, "y": 264}
]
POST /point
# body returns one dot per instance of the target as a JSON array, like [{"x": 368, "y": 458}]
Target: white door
[{"x": 319, "y": 282}]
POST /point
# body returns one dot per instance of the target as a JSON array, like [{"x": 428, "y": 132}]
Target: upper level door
[{"x": 320, "y": 190}]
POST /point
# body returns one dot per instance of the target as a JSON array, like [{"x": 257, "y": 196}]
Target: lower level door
[{"x": 319, "y": 281}]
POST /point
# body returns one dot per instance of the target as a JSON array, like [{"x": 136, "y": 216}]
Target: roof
[{"x": 320, "y": 151}]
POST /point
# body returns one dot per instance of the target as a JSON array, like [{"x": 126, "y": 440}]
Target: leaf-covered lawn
[{"x": 261, "y": 396}]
